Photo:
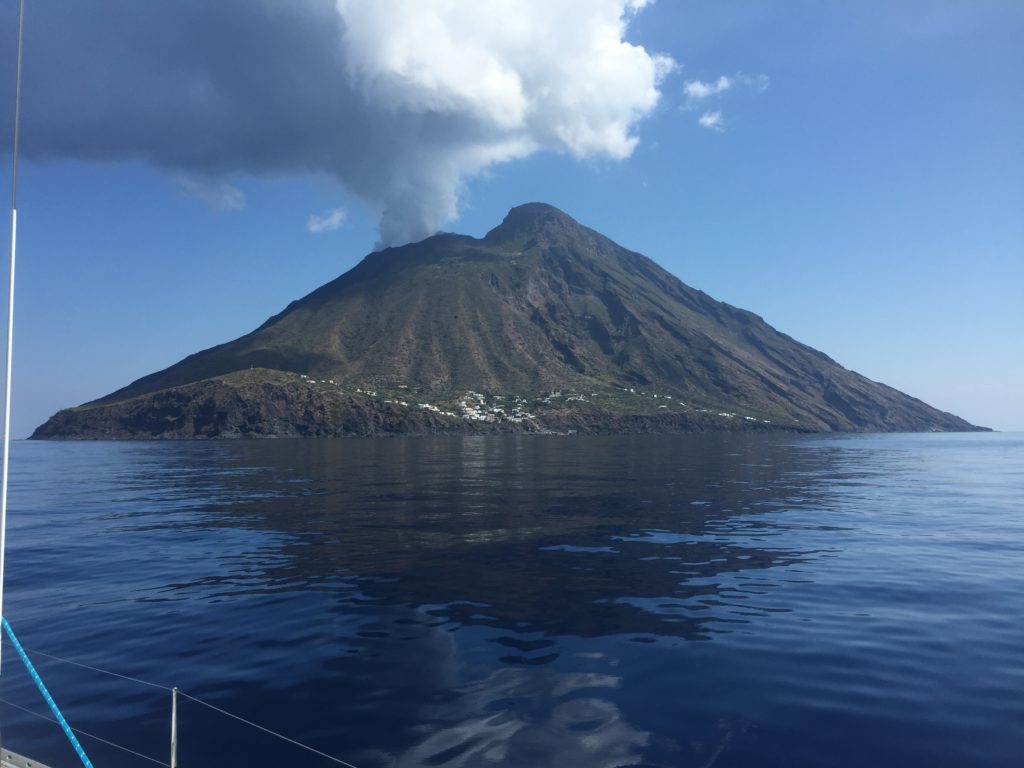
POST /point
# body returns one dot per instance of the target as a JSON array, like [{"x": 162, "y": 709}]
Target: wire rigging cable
[
  {"x": 85, "y": 733},
  {"x": 267, "y": 730},
  {"x": 188, "y": 696},
  {"x": 34, "y": 652},
  {"x": 79, "y": 750}
]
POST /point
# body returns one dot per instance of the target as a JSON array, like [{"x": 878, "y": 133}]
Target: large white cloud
[
  {"x": 400, "y": 100},
  {"x": 506, "y": 77}
]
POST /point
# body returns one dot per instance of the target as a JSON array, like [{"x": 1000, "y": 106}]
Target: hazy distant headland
[{"x": 543, "y": 325}]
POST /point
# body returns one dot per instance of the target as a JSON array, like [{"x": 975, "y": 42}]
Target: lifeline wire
[
  {"x": 85, "y": 733},
  {"x": 46, "y": 694},
  {"x": 196, "y": 700},
  {"x": 267, "y": 730},
  {"x": 97, "y": 669}
]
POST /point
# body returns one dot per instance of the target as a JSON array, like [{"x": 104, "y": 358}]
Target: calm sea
[{"x": 526, "y": 601}]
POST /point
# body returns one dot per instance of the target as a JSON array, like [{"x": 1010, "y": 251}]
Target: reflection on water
[
  {"x": 531, "y": 601},
  {"x": 536, "y": 536},
  {"x": 515, "y": 718}
]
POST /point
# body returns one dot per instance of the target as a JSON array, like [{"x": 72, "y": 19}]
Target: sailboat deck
[{"x": 10, "y": 759}]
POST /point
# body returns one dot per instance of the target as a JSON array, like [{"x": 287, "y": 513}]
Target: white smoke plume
[
  {"x": 471, "y": 83},
  {"x": 401, "y": 101}
]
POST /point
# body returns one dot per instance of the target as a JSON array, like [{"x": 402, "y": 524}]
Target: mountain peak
[
  {"x": 564, "y": 328},
  {"x": 532, "y": 219}
]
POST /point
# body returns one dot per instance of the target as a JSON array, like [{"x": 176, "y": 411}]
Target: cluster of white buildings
[
  {"x": 435, "y": 409},
  {"x": 476, "y": 408}
]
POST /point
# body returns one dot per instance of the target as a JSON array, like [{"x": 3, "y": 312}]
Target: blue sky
[{"x": 859, "y": 184}]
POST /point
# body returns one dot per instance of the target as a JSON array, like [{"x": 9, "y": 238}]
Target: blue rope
[{"x": 46, "y": 694}]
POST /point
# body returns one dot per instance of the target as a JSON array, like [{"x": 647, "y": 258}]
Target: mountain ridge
[{"x": 540, "y": 304}]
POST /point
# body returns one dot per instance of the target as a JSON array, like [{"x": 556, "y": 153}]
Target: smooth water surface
[{"x": 526, "y": 601}]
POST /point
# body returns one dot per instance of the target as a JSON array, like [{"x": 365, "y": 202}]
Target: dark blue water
[{"x": 527, "y": 601}]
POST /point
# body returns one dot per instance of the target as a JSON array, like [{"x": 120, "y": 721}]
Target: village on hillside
[{"x": 515, "y": 409}]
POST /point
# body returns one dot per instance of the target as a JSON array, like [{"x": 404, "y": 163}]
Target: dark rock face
[
  {"x": 241, "y": 406},
  {"x": 262, "y": 403},
  {"x": 539, "y": 305}
]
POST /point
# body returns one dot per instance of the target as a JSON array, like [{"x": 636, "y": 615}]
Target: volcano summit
[{"x": 542, "y": 325}]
